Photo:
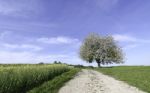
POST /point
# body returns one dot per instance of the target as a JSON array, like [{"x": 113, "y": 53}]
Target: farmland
[
  {"x": 49, "y": 78},
  {"x": 53, "y": 86},
  {"x": 138, "y": 76},
  {"x": 22, "y": 78}
]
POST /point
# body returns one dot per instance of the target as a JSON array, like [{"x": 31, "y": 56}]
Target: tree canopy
[{"x": 101, "y": 49}]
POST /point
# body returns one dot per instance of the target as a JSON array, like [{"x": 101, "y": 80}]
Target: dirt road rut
[{"x": 90, "y": 81}]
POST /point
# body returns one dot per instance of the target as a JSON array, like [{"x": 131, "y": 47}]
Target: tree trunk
[{"x": 99, "y": 64}]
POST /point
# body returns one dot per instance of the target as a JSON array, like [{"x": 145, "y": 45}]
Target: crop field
[
  {"x": 138, "y": 76},
  {"x": 22, "y": 78},
  {"x": 53, "y": 86}
]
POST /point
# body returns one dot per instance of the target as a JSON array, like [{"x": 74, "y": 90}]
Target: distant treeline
[{"x": 43, "y": 63}]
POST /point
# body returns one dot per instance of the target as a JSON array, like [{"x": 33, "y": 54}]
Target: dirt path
[{"x": 90, "y": 81}]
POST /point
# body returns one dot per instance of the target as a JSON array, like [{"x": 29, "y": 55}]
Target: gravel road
[{"x": 90, "y": 81}]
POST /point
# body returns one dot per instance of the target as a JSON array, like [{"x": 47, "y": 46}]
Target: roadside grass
[
  {"x": 138, "y": 76},
  {"x": 55, "y": 84}
]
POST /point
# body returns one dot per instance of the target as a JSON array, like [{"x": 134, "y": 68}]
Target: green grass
[
  {"x": 21, "y": 78},
  {"x": 54, "y": 85},
  {"x": 138, "y": 76}
]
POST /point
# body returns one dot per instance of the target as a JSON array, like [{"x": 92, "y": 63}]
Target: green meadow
[{"x": 138, "y": 76}]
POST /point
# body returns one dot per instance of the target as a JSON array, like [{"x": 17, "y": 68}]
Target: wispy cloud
[
  {"x": 35, "y": 43},
  {"x": 106, "y": 4},
  {"x": 124, "y": 38},
  {"x": 4, "y": 34},
  {"x": 58, "y": 40},
  {"x": 6, "y": 9},
  {"x": 21, "y": 46},
  {"x": 18, "y": 7},
  {"x": 130, "y": 46},
  {"x": 35, "y": 50},
  {"x": 128, "y": 38},
  {"x": 29, "y": 57},
  {"x": 16, "y": 57},
  {"x": 130, "y": 42}
]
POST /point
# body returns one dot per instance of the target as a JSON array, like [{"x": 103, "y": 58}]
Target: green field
[
  {"x": 22, "y": 78},
  {"x": 138, "y": 76},
  {"x": 51, "y": 77}
]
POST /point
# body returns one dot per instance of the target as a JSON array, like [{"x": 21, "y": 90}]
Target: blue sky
[{"x": 32, "y": 31}]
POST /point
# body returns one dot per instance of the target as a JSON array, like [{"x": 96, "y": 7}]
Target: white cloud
[
  {"x": 130, "y": 42},
  {"x": 58, "y": 40},
  {"x": 21, "y": 46},
  {"x": 128, "y": 38},
  {"x": 124, "y": 38}
]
